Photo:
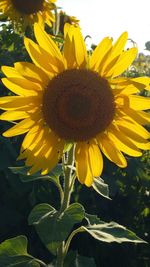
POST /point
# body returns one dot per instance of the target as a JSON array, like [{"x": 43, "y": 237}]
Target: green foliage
[
  {"x": 100, "y": 187},
  {"x": 13, "y": 253},
  {"x": 147, "y": 45},
  {"x": 53, "y": 227},
  {"x": 73, "y": 259},
  {"x": 111, "y": 232},
  {"x": 53, "y": 176},
  {"x": 11, "y": 47},
  {"x": 129, "y": 191}
]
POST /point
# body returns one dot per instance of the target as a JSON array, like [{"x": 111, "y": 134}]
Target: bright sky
[{"x": 101, "y": 18}]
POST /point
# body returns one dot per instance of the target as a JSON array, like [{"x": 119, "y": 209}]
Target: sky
[{"x": 110, "y": 18}]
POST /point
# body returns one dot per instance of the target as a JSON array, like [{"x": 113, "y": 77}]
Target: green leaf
[
  {"x": 18, "y": 261},
  {"x": 23, "y": 170},
  {"x": 73, "y": 259},
  {"x": 92, "y": 219},
  {"x": 14, "y": 246},
  {"x": 70, "y": 259},
  {"x": 82, "y": 261},
  {"x": 39, "y": 212},
  {"x": 25, "y": 177},
  {"x": 53, "y": 246},
  {"x": 11, "y": 47},
  {"x": 53, "y": 227},
  {"x": 53, "y": 176},
  {"x": 146, "y": 212},
  {"x": 13, "y": 253},
  {"x": 111, "y": 232},
  {"x": 100, "y": 187},
  {"x": 75, "y": 213}
]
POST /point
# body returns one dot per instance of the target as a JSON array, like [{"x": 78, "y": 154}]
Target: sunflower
[
  {"x": 29, "y": 11},
  {"x": 73, "y": 96},
  {"x": 64, "y": 18}
]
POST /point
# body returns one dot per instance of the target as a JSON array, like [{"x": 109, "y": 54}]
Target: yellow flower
[
  {"x": 71, "y": 96},
  {"x": 28, "y": 11},
  {"x": 64, "y": 18}
]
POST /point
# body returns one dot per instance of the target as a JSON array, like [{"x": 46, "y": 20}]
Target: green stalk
[
  {"x": 41, "y": 262},
  {"x": 68, "y": 185},
  {"x": 78, "y": 230}
]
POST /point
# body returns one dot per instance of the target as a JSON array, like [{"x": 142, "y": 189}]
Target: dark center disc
[
  {"x": 28, "y": 7},
  {"x": 78, "y": 104}
]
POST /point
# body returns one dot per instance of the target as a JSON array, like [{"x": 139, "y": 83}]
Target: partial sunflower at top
[
  {"x": 64, "y": 18},
  {"x": 71, "y": 96},
  {"x": 26, "y": 12}
]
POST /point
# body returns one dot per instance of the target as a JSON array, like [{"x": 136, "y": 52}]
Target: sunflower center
[
  {"x": 28, "y": 7},
  {"x": 78, "y": 104}
]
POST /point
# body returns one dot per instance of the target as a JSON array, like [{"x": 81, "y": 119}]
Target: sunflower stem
[
  {"x": 76, "y": 231},
  {"x": 60, "y": 256},
  {"x": 68, "y": 184},
  {"x": 41, "y": 263},
  {"x": 68, "y": 163}
]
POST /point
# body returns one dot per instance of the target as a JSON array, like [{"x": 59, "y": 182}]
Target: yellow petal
[
  {"x": 95, "y": 158},
  {"x": 143, "y": 82},
  {"x": 41, "y": 57},
  {"x": 46, "y": 157},
  {"x": 32, "y": 137},
  {"x": 122, "y": 101},
  {"x": 134, "y": 127},
  {"x": 139, "y": 102},
  {"x": 113, "y": 55},
  {"x": 29, "y": 153},
  {"x": 140, "y": 83},
  {"x": 46, "y": 42},
  {"x": 130, "y": 89},
  {"x": 121, "y": 81},
  {"x": 140, "y": 117},
  {"x": 80, "y": 48},
  {"x": 122, "y": 142},
  {"x": 123, "y": 62},
  {"x": 38, "y": 162},
  {"x": 53, "y": 157},
  {"x": 136, "y": 139},
  {"x": 21, "y": 86},
  {"x": 67, "y": 28},
  {"x": 119, "y": 45},
  {"x": 69, "y": 47},
  {"x": 99, "y": 53},
  {"x": 141, "y": 144},
  {"x": 74, "y": 48},
  {"x": 30, "y": 157},
  {"x": 10, "y": 72},
  {"x": 110, "y": 151},
  {"x": 89, "y": 161},
  {"x": 145, "y": 116},
  {"x": 82, "y": 164},
  {"x": 14, "y": 115},
  {"x": 19, "y": 103},
  {"x": 20, "y": 128},
  {"x": 32, "y": 72}
]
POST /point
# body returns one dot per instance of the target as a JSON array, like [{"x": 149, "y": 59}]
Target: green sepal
[{"x": 100, "y": 187}]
